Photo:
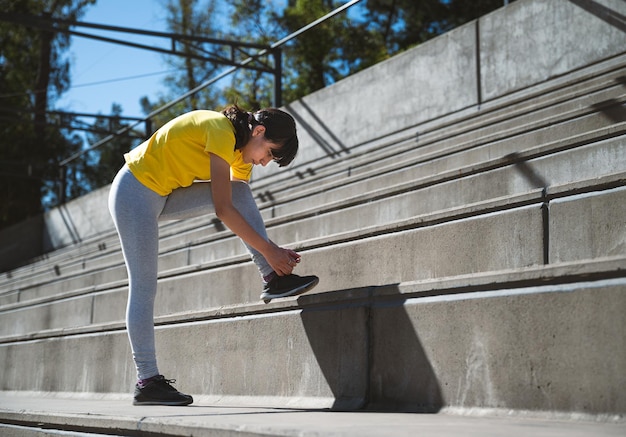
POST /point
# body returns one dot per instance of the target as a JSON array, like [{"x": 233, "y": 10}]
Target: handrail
[{"x": 191, "y": 92}]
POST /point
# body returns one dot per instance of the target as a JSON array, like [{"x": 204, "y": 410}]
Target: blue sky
[{"x": 103, "y": 73}]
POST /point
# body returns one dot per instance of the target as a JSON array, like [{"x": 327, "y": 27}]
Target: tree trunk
[{"x": 37, "y": 153}]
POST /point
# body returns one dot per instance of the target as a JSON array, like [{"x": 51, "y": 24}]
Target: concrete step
[
  {"x": 595, "y": 90},
  {"x": 500, "y": 234},
  {"x": 412, "y": 175},
  {"x": 529, "y": 338},
  {"x": 396, "y": 203},
  {"x": 354, "y": 184},
  {"x": 561, "y": 165},
  {"x": 377, "y": 168}
]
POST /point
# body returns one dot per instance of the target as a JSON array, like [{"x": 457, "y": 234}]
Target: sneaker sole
[
  {"x": 164, "y": 403},
  {"x": 294, "y": 292}
]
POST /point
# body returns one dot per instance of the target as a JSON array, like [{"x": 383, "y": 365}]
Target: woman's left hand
[{"x": 282, "y": 261}]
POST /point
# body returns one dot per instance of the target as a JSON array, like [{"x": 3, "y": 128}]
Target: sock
[
  {"x": 269, "y": 277},
  {"x": 143, "y": 382}
]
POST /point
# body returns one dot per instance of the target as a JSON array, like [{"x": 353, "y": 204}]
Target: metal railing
[{"x": 273, "y": 48}]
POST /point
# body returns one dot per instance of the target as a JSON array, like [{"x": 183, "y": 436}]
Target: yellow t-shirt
[{"x": 178, "y": 153}]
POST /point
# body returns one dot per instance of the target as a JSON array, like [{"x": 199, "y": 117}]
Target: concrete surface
[
  {"x": 588, "y": 161},
  {"x": 419, "y": 346},
  {"x": 562, "y": 35},
  {"x": 204, "y": 418},
  {"x": 591, "y": 225},
  {"x": 580, "y": 227},
  {"x": 562, "y": 168},
  {"x": 505, "y": 240}
]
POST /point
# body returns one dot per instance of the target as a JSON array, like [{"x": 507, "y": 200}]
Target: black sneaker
[
  {"x": 158, "y": 391},
  {"x": 289, "y": 285}
]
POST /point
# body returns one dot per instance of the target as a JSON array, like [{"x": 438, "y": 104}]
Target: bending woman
[{"x": 157, "y": 183}]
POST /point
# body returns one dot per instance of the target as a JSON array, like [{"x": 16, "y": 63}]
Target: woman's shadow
[{"x": 369, "y": 351}]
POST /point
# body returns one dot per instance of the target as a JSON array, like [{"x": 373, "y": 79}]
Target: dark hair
[{"x": 280, "y": 129}]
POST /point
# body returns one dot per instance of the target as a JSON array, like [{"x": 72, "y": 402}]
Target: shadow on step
[{"x": 369, "y": 351}]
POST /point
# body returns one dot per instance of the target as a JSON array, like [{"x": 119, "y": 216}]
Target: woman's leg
[
  {"x": 135, "y": 210},
  {"x": 197, "y": 200}
]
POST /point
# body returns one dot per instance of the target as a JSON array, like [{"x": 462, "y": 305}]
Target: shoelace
[
  {"x": 157, "y": 379},
  {"x": 168, "y": 381}
]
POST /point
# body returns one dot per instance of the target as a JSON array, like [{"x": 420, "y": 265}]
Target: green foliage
[
  {"x": 255, "y": 22},
  {"x": 33, "y": 73},
  {"x": 315, "y": 50},
  {"x": 101, "y": 165},
  {"x": 194, "y": 18}
]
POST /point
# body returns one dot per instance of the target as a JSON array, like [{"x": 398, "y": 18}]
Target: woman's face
[{"x": 258, "y": 150}]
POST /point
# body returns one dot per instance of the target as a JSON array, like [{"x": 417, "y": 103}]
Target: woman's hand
[{"x": 283, "y": 261}]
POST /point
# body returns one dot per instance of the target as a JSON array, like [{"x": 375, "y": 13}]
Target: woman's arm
[{"x": 279, "y": 259}]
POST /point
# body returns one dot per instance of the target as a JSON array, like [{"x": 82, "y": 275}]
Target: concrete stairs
[{"x": 473, "y": 260}]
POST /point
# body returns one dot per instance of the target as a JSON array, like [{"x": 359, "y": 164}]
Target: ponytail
[
  {"x": 241, "y": 122},
  {"x": 280, "y": 129}
]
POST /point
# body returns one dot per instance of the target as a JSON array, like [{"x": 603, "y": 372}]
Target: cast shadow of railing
[
  {"x": 307, "y": 118},
  {"x": 612, "y": 109},
  {"x": 367, "y": 347}
]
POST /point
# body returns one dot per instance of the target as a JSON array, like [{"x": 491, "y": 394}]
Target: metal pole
[
  {"x": 62, "y": 184},
  {"x": 278, "y": 78}
]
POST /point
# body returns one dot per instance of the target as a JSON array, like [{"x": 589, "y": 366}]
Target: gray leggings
[{"x": 136, "y": 211}]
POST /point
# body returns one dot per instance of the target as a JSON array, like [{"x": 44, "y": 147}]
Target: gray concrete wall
[
  {"x": 528, "y": 349},
  {"x": 78, "y": 220},
  {"x": 533, "y": 41},
  {"x": 475, "y": 63}
]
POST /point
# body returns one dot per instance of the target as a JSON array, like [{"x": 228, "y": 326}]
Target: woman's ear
[{"x": 258, "y": 130}]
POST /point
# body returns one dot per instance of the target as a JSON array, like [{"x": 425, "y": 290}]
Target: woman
[{"x": 157, "y": 183}]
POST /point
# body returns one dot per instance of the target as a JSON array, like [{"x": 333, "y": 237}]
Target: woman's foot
[
  {"x": 158, "y": 391},
  {"x": 289, "y": 285}
]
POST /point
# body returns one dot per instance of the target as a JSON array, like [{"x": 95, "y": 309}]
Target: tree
[
  {"x": 33, "y": 73},
  {"x": 317, "y": 58},
  {"x": 99, "y": 166},
  {"x": 190, "y": 18},
  {"x": 253, "y": 21},
  {"x": 316, "y": 52}
]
